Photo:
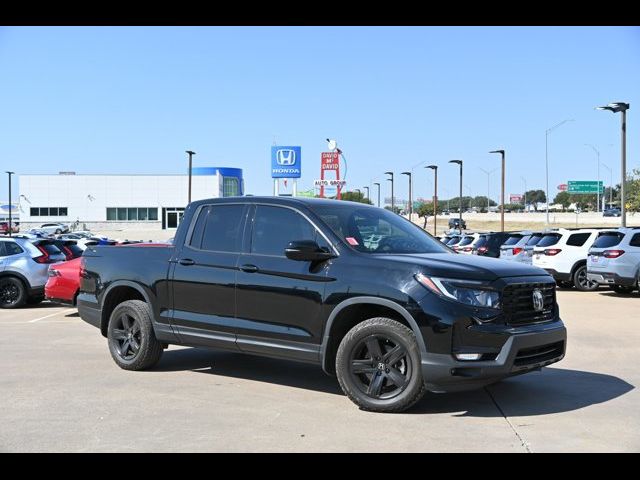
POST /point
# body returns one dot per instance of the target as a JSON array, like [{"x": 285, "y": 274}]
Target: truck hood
[{"x": 470, "y": 267}]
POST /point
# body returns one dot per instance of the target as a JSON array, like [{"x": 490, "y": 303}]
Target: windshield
[
  {"x": 375, "y": 230},
  {"x": 482, "y": 241},
  {"x": 466, "y": 241},
  {"x": 533, "y": 240},
  {"x": 548, "y": 240},
  {"x": 608, "y": 239},
  {"x": 512, "y": 240},
  {"x": 453, "y": 241}
]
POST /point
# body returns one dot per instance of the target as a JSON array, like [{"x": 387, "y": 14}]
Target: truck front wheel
[{"x": 132, "y": 342}]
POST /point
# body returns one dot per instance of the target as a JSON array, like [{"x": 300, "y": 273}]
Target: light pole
[
  {"x": 488, "y": 172},
  {"x": 410, "y": 194},
  {"x": 459, "y": 162},
  {"x": 501, "y": 152},
  {"x": 435, "y": 198},
  {"x": 610, "y": 183},
  {"x": 546, "y": 162},
  {"x": 525, "y": 194},
  {"x": 378, "y": 185},
  {"x": 615, "y": 108},
  {"x": 393, "y": 199},
  {"x": 367, "y": 189},
  {"x": 598, "y": 158},
  {"x": 10, "y": 205},
  {"x": 191, "y": 154}
]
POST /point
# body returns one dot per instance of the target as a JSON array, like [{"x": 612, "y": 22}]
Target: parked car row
[{"x": 584, "y": 258}]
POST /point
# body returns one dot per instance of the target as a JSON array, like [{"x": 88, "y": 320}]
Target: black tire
[
  {"x": 581, "y": 282},
  {"x": 621, "y": 289},
  {"x": 565, "y": 285},
  {"x": 13, "y": 293},
  {"x": 371, "y": 385},
  {"x": 132, "y": 342},
  {"x": 35, "y": 300}
]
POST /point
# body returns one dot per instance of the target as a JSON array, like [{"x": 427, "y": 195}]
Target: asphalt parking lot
[{"x": 60, "y": 391}]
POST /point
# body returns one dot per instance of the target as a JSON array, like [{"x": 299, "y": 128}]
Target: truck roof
[{"x": 310, "y": 202}]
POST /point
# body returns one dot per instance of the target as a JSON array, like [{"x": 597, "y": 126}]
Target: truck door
[{"x": 204, "y": 276}]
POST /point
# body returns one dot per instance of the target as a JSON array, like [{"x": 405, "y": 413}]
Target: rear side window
[
  {"x": 75, "y": 249},
  {"x": 608, "y": 239},
  {"x": 482, "y": 241},
  {"x": 275, "y": 227},
  {"x": 533, "y": 240},
  {"x": 11, "y": 248},
  {"x": 635, "y": 240},
  {"x": 513, "y": 239},
  {"x": 453, "y": 241},
  {"x": 578, "y": 239},
  {"x": 222, "y": 228},
  {"x": 198, "y": 230},
  {"x": 465, "y": 241},
  {"x": 548, "y": 240}
]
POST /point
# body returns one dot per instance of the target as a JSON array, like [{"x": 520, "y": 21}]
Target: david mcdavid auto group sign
[{"x": 286, "y": 162}]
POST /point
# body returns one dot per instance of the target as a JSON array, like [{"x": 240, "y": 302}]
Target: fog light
[{"x": 468, "y": 356}]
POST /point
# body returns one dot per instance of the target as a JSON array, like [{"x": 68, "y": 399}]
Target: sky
[{"x": 133, "y": 99}]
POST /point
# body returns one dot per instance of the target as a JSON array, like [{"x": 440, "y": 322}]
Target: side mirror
[{"x": 306, "y": 251}]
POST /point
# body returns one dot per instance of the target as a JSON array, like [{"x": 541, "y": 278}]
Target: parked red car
[
  {"x": 64, "y": 278},
  {"x": 4, "y": 228}
]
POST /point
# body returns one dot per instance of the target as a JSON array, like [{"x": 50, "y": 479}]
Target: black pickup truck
[{"x": 364, "y": 293}]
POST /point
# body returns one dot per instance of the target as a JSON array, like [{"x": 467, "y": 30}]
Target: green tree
[
  {"x": 355, "y": 197},
  {"x": 633, "y": 191},
  {"x": 564, "y": 199},
  {"x": 425, "y": 210},
  {"x": 481, "y": 202},
  {"x": 534, "y": 197}
]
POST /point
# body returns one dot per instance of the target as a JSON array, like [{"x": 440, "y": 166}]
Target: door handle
[
  {"x": 186, "y": 261},
  {"x": 249, "y": 268}
]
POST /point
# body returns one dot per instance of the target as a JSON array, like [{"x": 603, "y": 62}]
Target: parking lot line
[{"x": 50, "y": 315}]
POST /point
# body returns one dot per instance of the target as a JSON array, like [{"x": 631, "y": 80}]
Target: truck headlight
[{"x": 463, "y": 291}]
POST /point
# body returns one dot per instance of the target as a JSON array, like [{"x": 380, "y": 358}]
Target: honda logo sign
[{"x": 286, "y": 162}]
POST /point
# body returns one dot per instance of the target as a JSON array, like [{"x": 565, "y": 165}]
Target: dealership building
[{"x": 113, "y": 202}]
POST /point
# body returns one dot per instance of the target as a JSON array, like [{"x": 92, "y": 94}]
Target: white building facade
[{"x": 113, "y": 202}]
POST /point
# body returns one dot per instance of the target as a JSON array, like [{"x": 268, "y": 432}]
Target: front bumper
[
  {"x": 610, "y": 278},
  {"x": 523, "y": 352}
]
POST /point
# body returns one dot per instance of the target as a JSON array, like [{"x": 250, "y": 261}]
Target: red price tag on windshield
[{"x": 352, "y": 241}]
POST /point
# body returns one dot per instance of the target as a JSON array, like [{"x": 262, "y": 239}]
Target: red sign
[
  {"x": 330, "y": 162},
  {"x": 515, "y": 198},
  {"x": 563, "y": 187}
]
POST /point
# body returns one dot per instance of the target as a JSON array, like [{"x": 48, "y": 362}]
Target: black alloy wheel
[
  {"x": 12, "y": 293},
  {"x": 380, "y": 367},
  {"x": 127, "y": 336}
]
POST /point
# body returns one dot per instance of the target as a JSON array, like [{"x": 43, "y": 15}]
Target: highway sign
[{"x": 586, "y": 186}]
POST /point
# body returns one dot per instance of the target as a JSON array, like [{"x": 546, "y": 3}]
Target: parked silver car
[
  {"x": 55, "y": 228},
  {"x": 614, "y": 259},
  {"x": 23, "y": 269},
  {"x": 519, "y": 246}
]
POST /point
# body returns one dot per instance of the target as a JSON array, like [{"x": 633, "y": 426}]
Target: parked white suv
[
  {"x": 614, "y": 259},
  {"x": 563, "y": 253}
]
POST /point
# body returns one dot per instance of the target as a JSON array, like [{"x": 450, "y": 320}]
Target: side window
[
  {"x": 2, "y": 252},
  {"x": 578, "y": 239},
  {"x": 275, "y": 227},
  {"x": 222, "y": 229},
  {"x": 196, "y": 236},
  {"x": 12, "y": 248},
  {"x": 635, "y": 240}
]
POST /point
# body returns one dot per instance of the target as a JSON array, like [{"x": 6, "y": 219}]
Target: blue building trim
[{"x": 224, "y": 172}]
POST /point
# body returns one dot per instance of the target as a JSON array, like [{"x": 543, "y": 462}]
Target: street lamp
[
  {"x": 358, "y": 190},
  {"x": 501, "y": 152},
  {"x": 610, "y": 183},
  {"x": 459, "y": 162},
  {"x": 410, "y": 194},
  {"x": 367, "y": 189},
  {"x": 10, "y": 205},
  {"x": 435, "y": 198},
  {"x": 393, "y": 203},
  {"x": 546, "y": 161},
  {"x": 378, "y": 185},
  {"x": 598, "y": 158},
  {"x": 615, "y": 108},
  {"x": 488, "y": 172},
  {"x": 191, "y": 154}
]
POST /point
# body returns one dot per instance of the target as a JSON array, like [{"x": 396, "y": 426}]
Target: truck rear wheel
[
  {"x": 378, "y": 366},
  {"x": 132, "y": 342}
]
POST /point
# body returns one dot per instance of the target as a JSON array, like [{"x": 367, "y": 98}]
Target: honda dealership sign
[{"x": 286, "y": 162}]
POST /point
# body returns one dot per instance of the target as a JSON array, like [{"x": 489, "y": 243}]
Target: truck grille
[
  {"x": 530, "y": 356},
  {"x": 517, "y": 303}
]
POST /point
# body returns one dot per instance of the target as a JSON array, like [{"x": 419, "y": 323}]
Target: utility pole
[{"x": 191, "y": 154}]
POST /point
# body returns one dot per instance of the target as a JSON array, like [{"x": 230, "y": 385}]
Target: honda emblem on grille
[{"x": 538, "y": 300}]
